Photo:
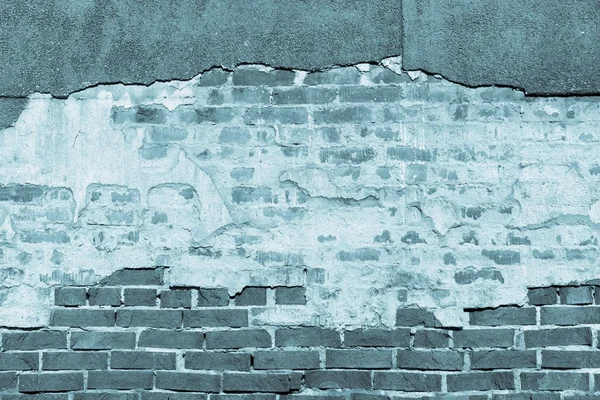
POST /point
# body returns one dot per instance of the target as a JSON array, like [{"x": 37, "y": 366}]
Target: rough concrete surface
[{"x": 544, "y": 48}]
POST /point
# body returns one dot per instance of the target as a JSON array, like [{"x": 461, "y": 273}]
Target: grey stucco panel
[
  {"x": 60, "y": 46},
  {"x": 545, "y": 48}
]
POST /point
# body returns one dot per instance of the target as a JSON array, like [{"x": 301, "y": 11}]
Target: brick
[
  {"x": 307, "y": 337},
  {"x": 167, "y": 134},
  {"x": 213, "y": 297},
  {"x": 484, "y": 338},
  {"x": 218, "y": 361},
  {"x": 358, "y": 359},
  {"x": 570, "y": 315},
  {"x": 542, "y": 296},
  {"x": 244, "y": 396},
  {"x": 431, "y": 338},
  {"x": 276, "y": 115},
  {"x": 188, "y": 381},
  {"x": 238, "y": 339},
  {"x": 346, "y": 155},
  {"x": 105, "y": 396},
  {"x": 34, "y": 340},
  {"x": 54, "y": 361},
  {"x": 503, "y": 316},
  {"x": 21, "y": 193},
  {"x": 170, "y": 339},
  {"x": 245, "y": 194},
  {"x": 179, "y": 298},
  {"x": 272, "y": 382},
  {"x": 369, "y": 396},
  {"x": 135, "y": 277},
  {"x": 502, "y": 257},
  {"x": 303, "y": 95},
  {"x": 532, "y": 396},
  {"x": 430, "y": 360},
  {"x": 558, "y": 337},
  {"x": 139, "y": 297},
  {"x": 19, "y": 361},
  {"x": 173, "y": 396},
  {"x": 50, "y": 382},
  {"x": 364, "y": 94},
  {"x": 330, "y": 379},
  {"x": 46, "y": 236},
  {"x": 149, "y": 318},
  {"x": 251, "y": 296},
  {"x": 406, "y": 153},
  {"x": 329, "y": 396},
  {"x": 250, "y": 95},
  {"x": 215, "y": 318},
  {"x": 342, "y": 115},
  {"x": 290, "y": 295},
  {"x": 213, "y": 77},
  {"x": 142, "y": 360},
  {"x": 70, "y": 296},
  {"x": 467, "y": 381},
  {"x": 257, "y": 77},
  {"x": 286, "y": 359},
  {"x": 336, "y": 76},
  {"x": 102, "y": 340},
  {"x": 212, "y": 115},
  {"x": 8, "y": 380},
  {"x": 416, "y": 316},
  {"x": 36, "y": 396},
  {"x": 554, "y": 381},
  {"x": 104, "y": 296},
  {"x": 503, "y": 359},
  {"x": 82, "y": 317},
  {"x": 377, "y": 338},
  {"x": 120, "y": 380},
  {"x": 576, "y": 295},
  {"x": 560, "y": 359},
  {"x": 407, "y": 381},
  {"x": 231, "y": 135}
]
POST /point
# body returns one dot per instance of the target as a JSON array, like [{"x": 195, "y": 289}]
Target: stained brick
[
  {"x": 554, "y": 381},
  {"x": 503, "y": 359},
  {"x": 62, "y": 360},
  {"x": 415, "y": 316},
  {"x": 358, "y": 359},
  {"x": 377, "y": 338},
  {"x": 576, "y": 295},
  {"x": 213, "y": 77},
  {"x": 405, "y": 153},
  {"x": 558, "y": 337},
  {"x": 431, "y": 338},
  {"x": 218, "y": 361},
  {"x": 104, "y": 296},
  {"x": 542, "y": 296},
  {"x": 139, "y": 297},
  {"x": 288, "y": 359},
  {"x": 346, "y": 155},
  {"x": 233, "y": 318},
  {"x": 50, "y": 382},
  {"x": 307, "y": 337},
  {"x": 135, "y": 277},
  {"x": 102, "y": 340},
  {"x": 503, "y": 316},
  {"x": 251, "y": 296},
  {"x": 257, "y": 77},
  {"x": 171, "y": 339},
  {"x": 429, "y": 360},
  {"x": 209, "y": 297},
  {"x": 303, "y": 95},
  {"x": 70, "y": 296},
  {"x": 237, "y": 339},
  {"x": 211, "y": 115},
  {"x": 331, "y": 379},
  {"x": 484, "y": 338},
  {"x": 569, "y": 315},
  {"x": 19, "y": 361},
  {"x": 149, "y": 318},
  {"x": 276, "y": 115},
  {"x": 343, "y": 115},
  {"x": 290, "y": 295},
  {"x": 364, "y": 94},
  {"x": 188, "y": 381},
  {"x": 179, "y": 298},
  {"x": 120, "y": 380},
  {"x": 480, "y": 381},
  {"x": 407, "y": 381},
  {"x": 142, "y": 360},
  {"x": 250, "y": 95},
  {"x": 34, "y": 340}
]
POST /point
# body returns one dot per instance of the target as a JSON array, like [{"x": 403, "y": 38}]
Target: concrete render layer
[{"x": 543, "y": 47}]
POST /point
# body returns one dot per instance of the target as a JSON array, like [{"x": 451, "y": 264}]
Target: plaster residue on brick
[{"x": 374, "y": 188}]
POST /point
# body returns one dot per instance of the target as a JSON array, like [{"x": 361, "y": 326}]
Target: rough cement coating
[
  {"x": 545, "y": 48},
  {"x": 60, "y": 46}
]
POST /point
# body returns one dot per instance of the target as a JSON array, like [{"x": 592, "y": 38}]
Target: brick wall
[{"x": 412, "y": 236}]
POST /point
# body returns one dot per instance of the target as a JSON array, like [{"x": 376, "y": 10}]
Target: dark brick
[
  {"x": 150, "y": 115},
  {"x": 70, "y": 296},
  {"x": 251, "y": 296},
  {"x": 327, "y": 396},
  {"x": 303, "y": 95},
  {"x": 290, "y": 295},
  {"x": 142, "y": 360},
  {"x": 20, "y": 193},
  {"x": 55, "y": 361},
  {"x": 430, "y": 360},
  {"x": 257, "y": 77},
  {"x": 244, "y": 396},
  {"x": 346, "y": 155},
  {"x": 407, "y": 381},
  {"x": 276, "y": 115},
  {"x": 82, "y": 317},
  {"x": 336, "y": 76},
  {"x": 179, "y": 298},
  {"x": 233, "y": 318},
  {"x": 36, "y": 396},
  {"x": 431, "y": 338},
  {"x": 363, "y": 94},
  {"x": 358, "y": 359},
  {"x": 237, "y": 339},
  {"x": 256, "y": 382},
  {"x": 570, "y": 315},
  {"x": 139, "y": 297},
  {"x": 250, "y": 95},
  {"x": 463, "y": 382},
  {"x": 576, "y": 295},
  {"x": 503, "y": 359},
  {"x": 554, "y": 381},
  {"x": 344, "y": 115},
  {"x": 558, "y": 337},
  {"x": 286, "y": 359},
  {"x": 503, "y": 316},
  {"x": 532, "y": 396},
  {"x": 212, "y": 115},
  {"x": 213, "y": 77},
  {"x": 120, "y": 380},
  {"x": 105, "y": 396},
  {"x": 307, "y": 337},
  {"x": 218, "y": 361},
  {"x": 328, "y": 379},
  {"x": 34, "y": 340},
  {"x": 169, "y": 339},
  {"x": 104, "y": 296},
  {"x": 416, "y": 316},
  {"x": 213, "y": 297},
  {"x": 50, "y": 382},
  {"x": 560, "y": 359},
  {"x": 102, "y": 340},
  {"x": 406, "y": 153},
  {"x": 484, "y": 338},
  {"x": 8, "y": 380},
  {"x": 245, "y": 194},
  {"x": 173, "y": 396},
  {"x": 542, "y": 296},
  {"x": 369, "y": 396},
  {"x": 19, "y": 361},
  {"x": 377, "y": 338},
  {"x": 149, "y": 318},
  {"x": 135, "y": 277},
  {"x": 188, "y": 381}
]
